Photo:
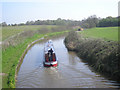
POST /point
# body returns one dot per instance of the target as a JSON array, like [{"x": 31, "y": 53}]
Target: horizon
[
  {"x": 20, "y": 12},
  {"x": 53, "y": 19}
]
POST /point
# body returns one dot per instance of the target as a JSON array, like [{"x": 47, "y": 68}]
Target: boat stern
[{"x": 51, "y": 64}]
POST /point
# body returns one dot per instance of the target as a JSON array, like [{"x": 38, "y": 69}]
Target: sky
[{"x": 20, "y": 11}]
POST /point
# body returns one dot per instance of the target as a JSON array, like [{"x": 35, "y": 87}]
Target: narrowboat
[{"x": 50, "y": 59}]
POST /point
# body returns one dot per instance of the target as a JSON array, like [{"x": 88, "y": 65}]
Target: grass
[
  {"x": 14, "y": 47},
  {"x": 107, "y": 33},
  {"x": 14, "y": 30}
]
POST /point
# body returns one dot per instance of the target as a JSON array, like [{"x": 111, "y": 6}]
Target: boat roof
[{"x": 48, "y": 46}]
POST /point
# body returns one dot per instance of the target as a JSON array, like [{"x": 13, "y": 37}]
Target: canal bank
[
  {"x": 102, "y": 56},
  {"x": 13, "y": 54}
]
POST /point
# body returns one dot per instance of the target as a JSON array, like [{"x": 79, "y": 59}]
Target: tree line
[
  {"x": 90, "y": 22},
  {"x": 109, "y": 21}
]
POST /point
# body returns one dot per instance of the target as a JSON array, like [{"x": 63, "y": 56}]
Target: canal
[{"x": 70, "y": 73}]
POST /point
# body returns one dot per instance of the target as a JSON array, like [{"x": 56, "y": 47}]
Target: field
[
  {"x": 14, "y": 30},
  {"x": 107, "y": 33},
  {"x": 16, "y": 40}
]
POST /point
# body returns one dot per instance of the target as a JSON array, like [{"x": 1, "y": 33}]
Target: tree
[
  {"x": 30, "y": 23},
  {"x": 4, "y": 24},
  {"x": 90, "y": 22},
  {"x": 108, "y": 22},
  {"x": 21, "y": 24},
  {"x": 118, "y": 20}
]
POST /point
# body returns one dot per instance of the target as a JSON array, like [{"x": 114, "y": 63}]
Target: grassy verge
[
  {"x": 102, "y": 55},
  {"x": 13, "y": 48},
  {"x": 106, "y": 33}
]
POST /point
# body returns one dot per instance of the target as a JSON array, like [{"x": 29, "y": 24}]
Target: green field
[{"x": 107, "y": 33}]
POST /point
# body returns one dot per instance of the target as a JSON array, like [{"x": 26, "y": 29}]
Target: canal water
[{"x": 70, "y": 73}]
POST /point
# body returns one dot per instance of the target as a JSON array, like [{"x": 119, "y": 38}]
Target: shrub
[{"x": 100, "y": 54}]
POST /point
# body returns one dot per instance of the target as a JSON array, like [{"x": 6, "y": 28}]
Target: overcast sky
[{"x": 20, "y": 11}]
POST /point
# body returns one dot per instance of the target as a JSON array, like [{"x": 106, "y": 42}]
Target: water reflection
[{"x": 72, "y": 58}]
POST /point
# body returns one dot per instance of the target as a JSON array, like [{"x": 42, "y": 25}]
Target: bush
[
  {"x": 71, "y": 41},
  {"x": 101, "y": 55}
]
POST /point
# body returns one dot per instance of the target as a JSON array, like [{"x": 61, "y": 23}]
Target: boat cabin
[{"x": 50, "y": 56}]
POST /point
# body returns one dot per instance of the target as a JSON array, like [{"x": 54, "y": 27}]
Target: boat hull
[{"x": 50, "y": 64}]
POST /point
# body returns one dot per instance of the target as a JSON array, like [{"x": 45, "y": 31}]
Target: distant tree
[
  {"x": 13, "y": 24},
  {"x": 118, "y": 20},
  {"x": 30, "y": 23},
  {"x": 4, "y": 24},
  {"x": 59, "y": 19},
  {"x": 108, "y": 22},
  {"x": 90, "y": 22},
  {"x": 21, "y": 24},
  {"x": 8, "y": 24},
  {"x": 85, "y": 25}
]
